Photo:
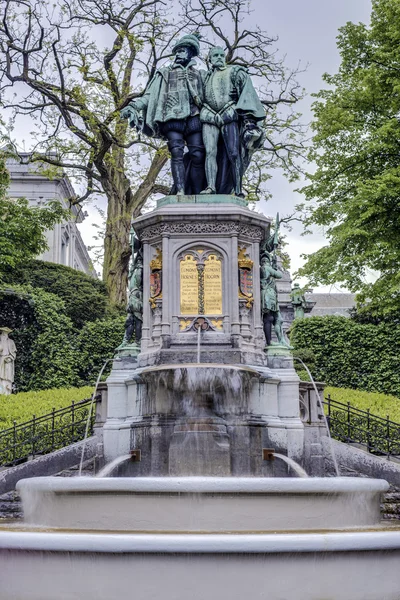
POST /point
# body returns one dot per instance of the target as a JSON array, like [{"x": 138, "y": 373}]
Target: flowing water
[
  {"x": 90, "y": 414},
  {"x": 335, "y": 463},
  {"x": 198, "y": 344},
  {"x": 109, "y": 467},
  {"x": 293, "y": 464}
]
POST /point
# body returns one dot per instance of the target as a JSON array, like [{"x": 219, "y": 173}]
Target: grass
[
  {"x": 381, "y": 405},
  {"x": 21, "y": 407}
]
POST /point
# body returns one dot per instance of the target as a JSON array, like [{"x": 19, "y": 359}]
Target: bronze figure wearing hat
[{"x": 170, "y": 109}]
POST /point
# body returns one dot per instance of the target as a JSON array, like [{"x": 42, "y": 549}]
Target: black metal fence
[
  {"x": 42, "y": 435},
  {"x": 352, "y": 425}
]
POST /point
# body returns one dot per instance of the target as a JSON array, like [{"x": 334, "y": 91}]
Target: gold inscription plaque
[
  {"x": 189, "y": 286},
  {"x": 212, "y": 286}
]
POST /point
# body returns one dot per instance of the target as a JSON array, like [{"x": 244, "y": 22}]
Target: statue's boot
[
  {"x": 211, "y": 176},
  {"x": 209, "y": 190},
  {"x": 178, "y": 175},
  {"x": 237, "y": 177}
]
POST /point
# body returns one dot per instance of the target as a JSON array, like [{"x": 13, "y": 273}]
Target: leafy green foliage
[
  {"x": 356, "y": 186},
  {"x": 96, "y": 343},
  {"x": 85, "y": 298},
  {"x": 22, "y": 228},
  {"x": 51, "y": 352},
  {"x": 43, "y": 336},
  {"x": 349, "y": 354},
  {"x": 381, "y": 405},
  {"x": 22, "y": 406},
  {"x": 75, "y": 92}
]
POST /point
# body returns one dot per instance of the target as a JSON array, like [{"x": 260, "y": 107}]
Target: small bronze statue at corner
[
  {"x": 134, "y": 320},
  {"x": 269, "y": 294}
]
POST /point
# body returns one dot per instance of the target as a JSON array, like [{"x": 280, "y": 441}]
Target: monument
[
  {"x": 199, "y": 387},
  {"x": 8, "y": 352},
  {"x": 204, "y": 379}
]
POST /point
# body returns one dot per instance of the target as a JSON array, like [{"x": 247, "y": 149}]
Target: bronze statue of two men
[{"x": 216, "y": 114}]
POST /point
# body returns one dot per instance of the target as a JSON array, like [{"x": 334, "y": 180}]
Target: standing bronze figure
[
  {"x": 170, "y": 109},
  {"x": 269, "y": 300},
  {"x": 232, "y": 118}
]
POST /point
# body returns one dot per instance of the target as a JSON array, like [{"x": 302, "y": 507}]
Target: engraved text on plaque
[
  {"x": 212, "y": 286},
  {"x": 189, "y": 286}
]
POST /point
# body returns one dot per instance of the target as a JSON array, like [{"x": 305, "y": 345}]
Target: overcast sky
[{"x": 307, "y": 31}]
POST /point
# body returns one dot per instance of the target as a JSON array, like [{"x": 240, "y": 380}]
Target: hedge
[
  {"x": 349, "y": 354},
  {"x": 85, "y": 298},
  {"x": 51, "y": 352},
  {"x": 380, "y": 405},
  {"x": 21, "y": 407},
  {"x": 95, "y": 344}
]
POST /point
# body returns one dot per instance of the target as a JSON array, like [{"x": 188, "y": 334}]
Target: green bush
[
  {"x": 43, "y": 335},
  {"x": 381, "y": 405},
  {"x": 85, "y": 298},
  {"x": 21, "y": 407},
  {"x": 51, "y": 352},
  {"x": 349, "y": 354},
  {"x": 96, "y": 343}
]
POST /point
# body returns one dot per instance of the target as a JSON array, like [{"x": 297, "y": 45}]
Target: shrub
[
  {"x": 85, "y": 298},
  {"x": 21, "y": 407},
  {"x": 96, "y": 343},
  {"x": 43, "y": 335},
  {"x": 51, "y": 352},
  {"x": 381, "y": 405},
  {"x": 349, "y": 354}
]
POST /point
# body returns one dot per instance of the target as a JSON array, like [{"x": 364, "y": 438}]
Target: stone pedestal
[{"x": 203, "y": 397}]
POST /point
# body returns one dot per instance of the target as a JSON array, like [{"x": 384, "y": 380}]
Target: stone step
[
  {"x": 391, "y": 497},
  {"x": 10, "y": 506},
  {"x": 391, "y": 508}
]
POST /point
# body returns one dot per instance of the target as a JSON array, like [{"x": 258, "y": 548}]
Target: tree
[
  {"x": 78, "y": 63},
  {"x": 356, "y": 185},
  {"x": 22, "y": 228}
]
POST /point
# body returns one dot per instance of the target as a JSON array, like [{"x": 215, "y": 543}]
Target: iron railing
[
  {"x": 44, "y": 434},
  {"x": 355, "y": 426}
]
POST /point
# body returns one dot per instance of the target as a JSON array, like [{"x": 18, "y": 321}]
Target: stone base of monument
[
  {"x": 200, "y": 447},
  {"x": 202, "y": 418},
  {"x": 128, "y": 350}
]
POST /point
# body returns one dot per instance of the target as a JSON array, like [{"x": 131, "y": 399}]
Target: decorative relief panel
[
  {"x": 155, "y": 278},
  {"x": 252, "y": 231},
  {"x": 245, "y": 265}
]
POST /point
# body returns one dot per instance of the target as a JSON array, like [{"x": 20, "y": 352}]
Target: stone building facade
[{"x": 65, "y": 243}]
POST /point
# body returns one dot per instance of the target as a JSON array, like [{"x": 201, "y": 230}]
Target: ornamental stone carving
[{"x": 204, "y": 228}]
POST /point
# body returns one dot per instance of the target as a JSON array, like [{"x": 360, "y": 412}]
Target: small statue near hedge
[
  {"x": 8, "y": 352},
  {"x": 134, "y": 322}
]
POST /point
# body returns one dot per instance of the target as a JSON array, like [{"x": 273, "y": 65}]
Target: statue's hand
[{"x": 131, "y": 113}]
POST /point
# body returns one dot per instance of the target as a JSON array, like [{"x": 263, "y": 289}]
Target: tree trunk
[{"x": 122, "y": 206}]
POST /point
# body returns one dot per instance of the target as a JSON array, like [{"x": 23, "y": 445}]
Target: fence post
[
  {"x": 33, "y": 435},
  {"x": 52, "y": 428},
  {"x": 348, "y": 423},
  {"x": 329, "y": 411},
  {"x": 72, "y": 423},
  {"x": 388, "y": 435},
  {"x": 368, "y": 430},
  {"x": 15, "y": 442}
]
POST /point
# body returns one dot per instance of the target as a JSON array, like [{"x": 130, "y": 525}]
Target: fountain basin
[
  {"x": 77, "y": 566},
  {"x": 200, "y": 537},
  {"x": 201, "y": 504}
]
